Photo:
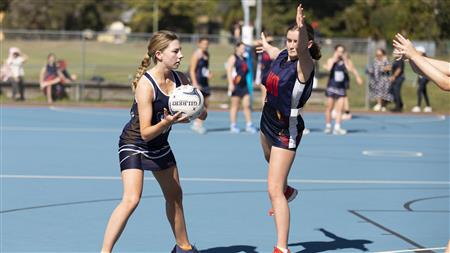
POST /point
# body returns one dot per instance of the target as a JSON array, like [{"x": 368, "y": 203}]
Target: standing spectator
[
  {"x": 397, "y": 79},
  {"x": 422, "y": 82},
  {"x": 15, "y": 63},
  {"x": 379, "y": 84}
]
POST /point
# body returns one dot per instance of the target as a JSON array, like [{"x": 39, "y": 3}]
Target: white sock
[
  {"x": 249, "y": 124},
  {"x": 328, "y": 125},
  {"x": 283, "y": 249},
  {"x": 233, "y": 125},
  {"x": 337, "y": 126}
]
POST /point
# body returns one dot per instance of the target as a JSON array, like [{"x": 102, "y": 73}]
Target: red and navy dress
[
  {"x": 240, "y": 77},
  {"x": 155, "y": 154},
  {"x": 202, "y": 74},
  {"x": 281, "y": 120}
]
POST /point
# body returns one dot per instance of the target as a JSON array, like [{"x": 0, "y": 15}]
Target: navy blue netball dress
[
  {"x": 152, "y": 155},
  {"x": 202, "y": 74},
  {"x": 281, "y": 120},
  {"x": 338, "y": 81},
  {"x": 240, "y": 78}
]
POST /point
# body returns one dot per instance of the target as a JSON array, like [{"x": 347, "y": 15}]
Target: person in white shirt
[{"x": 15, "y": 62}]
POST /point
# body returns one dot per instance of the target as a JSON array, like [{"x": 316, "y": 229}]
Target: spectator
[
  {"x": 422, "y": 82},
  {"x": 379, "y": 84},
  {"x": 15, "y": 62},
  {"x": 397, "y": 78},
  {"x": 54, "y": 75}
]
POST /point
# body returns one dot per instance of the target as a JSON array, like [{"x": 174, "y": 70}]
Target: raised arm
[
  {"x": 305, "y": 64},
  {"x": 263, "y": 45},
  {"x": 436, "y": 71}
]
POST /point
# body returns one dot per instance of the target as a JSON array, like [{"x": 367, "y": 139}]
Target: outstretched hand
[
  {"x": 262, "y": 44},
  {"x": 403, "y": 48},
  {"x": 300, "y": 18}
]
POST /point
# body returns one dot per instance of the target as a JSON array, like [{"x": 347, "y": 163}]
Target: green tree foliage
[
  {"x": 61, "y": 14},
  {"x": 379, "y": 19},
  {"x": 175, "y": 15}
]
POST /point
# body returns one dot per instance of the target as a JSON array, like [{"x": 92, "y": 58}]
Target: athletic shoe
[
  {"x": 277, "y": 250},
  {"x": 198, "y": 129},
  {"x": 290, "y": 194},
  {"x": 339, "y": 131},
  {"x": 327, "y": 130},
  {"x": 251, "y": 129},
  {"x": 178, "y": 249},
  {"x": 383, "y": 109},
  {"x": 306, "y": 131},
  {"x": 415, "y": 109},
  {"x": 346, "y": 116},
  {"x": 427, "y": 109},
  {"x": 235, "y": 130},
  {"x": 377, "y": 107}
]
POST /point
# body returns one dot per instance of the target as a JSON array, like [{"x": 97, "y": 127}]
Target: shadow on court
[
  {"x": 337, "y": 244},
  {"x": 231, "y": 249}
]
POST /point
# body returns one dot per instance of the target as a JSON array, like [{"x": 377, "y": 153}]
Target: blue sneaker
[
  {"x": 251, "y": 129},
  {"x": 178, "y": 249}
]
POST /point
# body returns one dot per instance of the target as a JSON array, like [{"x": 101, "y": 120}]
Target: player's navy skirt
[
  {"x": 282, "y": 131},
  {"x": 240, "y": 90},
  {"x": 145, "y": 158},
  {"x": 335, "y": 92}
]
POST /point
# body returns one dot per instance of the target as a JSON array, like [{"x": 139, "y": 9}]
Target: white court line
[
  {"x": 97, "y": 130},
  {"x": 89, "y": 112},
  {"x": 410, "y": 250},
  {"x": 235, "y": 180}
]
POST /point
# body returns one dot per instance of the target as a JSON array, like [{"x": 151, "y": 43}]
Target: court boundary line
[
  {"x": 232, "y": 180},
  {"x": 390, "y": 231},
  {"x": 184, "y": 131},
  {"x": 411, "y": 250}
]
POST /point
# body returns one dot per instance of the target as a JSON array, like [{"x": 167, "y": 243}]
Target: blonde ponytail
[
  {"x": 159, "y": 41},
  {"x": 145, "y": 64}
]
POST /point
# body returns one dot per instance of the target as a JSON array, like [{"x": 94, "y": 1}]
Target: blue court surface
[{"x": 384, "y": 187}]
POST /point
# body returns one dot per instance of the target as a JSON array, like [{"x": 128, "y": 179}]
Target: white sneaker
[
  {"x": 235, "y": 130},
  {"x": 383, "y": 109},
  {"x": 415, "y": 109},
  {"x": 327, "y": 130},
  {"x": 198, "y": 129},
  {"x": 306, "y": 131},
  {"x": 339, "y": 131},
  {"x": 377, "y": 107},
  {"x": 428, "y": 109}
]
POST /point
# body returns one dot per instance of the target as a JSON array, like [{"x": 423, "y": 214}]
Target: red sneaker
[
  {"x": 290, "y": 193},
  {"x": 277, "y": 250}
]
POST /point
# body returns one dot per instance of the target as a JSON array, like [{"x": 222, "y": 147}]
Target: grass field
[{"x": 117, "y": 64}]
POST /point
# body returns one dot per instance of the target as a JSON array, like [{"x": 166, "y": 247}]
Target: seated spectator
[{"x": 54, "y": 75}]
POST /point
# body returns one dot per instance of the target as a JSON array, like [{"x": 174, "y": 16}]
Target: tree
[{"x": 62, "y": 14}]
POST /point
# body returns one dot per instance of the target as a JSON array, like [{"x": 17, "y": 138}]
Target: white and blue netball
[{"x": 188, "y": 100}]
